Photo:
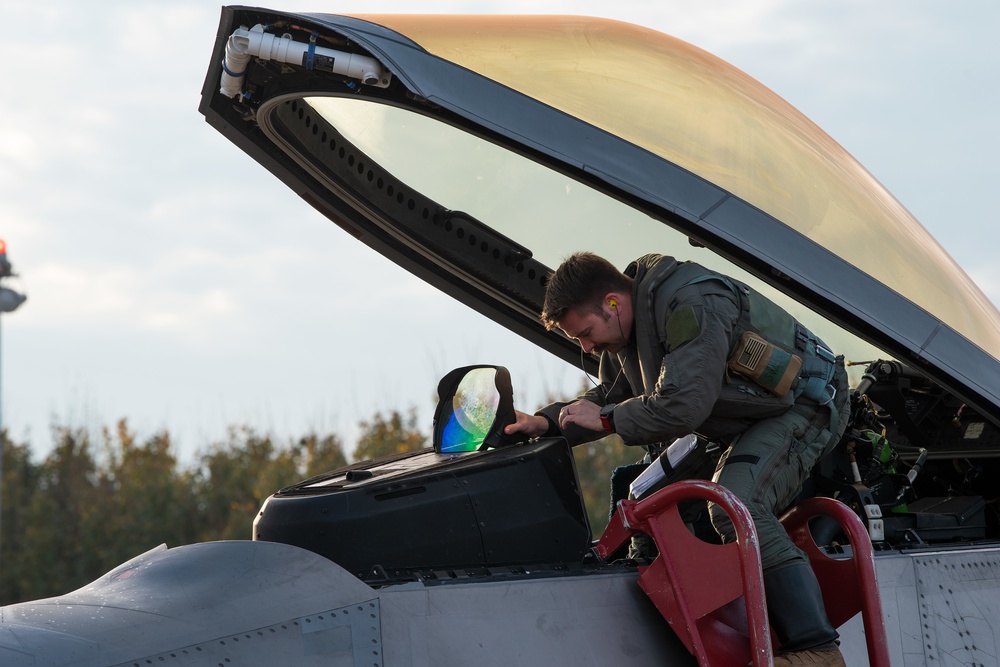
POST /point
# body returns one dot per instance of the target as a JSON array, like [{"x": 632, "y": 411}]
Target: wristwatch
[{"x": 608, "y": 417}]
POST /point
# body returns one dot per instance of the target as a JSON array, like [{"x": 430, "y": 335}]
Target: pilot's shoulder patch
[{"x": 682, "y": 327}]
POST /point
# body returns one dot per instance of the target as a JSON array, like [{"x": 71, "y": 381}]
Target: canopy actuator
[{"x": 247, "y": 43}]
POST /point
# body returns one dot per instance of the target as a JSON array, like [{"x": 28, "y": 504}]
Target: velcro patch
[{"x": 682, "y": 327}]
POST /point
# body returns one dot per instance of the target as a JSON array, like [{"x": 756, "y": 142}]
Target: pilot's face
[{"x": 594, "y": 331}]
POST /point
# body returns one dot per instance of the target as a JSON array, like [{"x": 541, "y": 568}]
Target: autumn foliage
[{"x": 96, "y": 501}]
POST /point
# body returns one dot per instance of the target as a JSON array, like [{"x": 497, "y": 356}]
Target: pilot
[{"x": 671, "y": 337}]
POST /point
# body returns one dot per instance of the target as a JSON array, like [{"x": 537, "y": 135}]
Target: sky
[{"x": 174, "y": 282}]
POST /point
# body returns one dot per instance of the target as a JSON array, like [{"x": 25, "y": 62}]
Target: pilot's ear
[{"x": 613, "y": 300}]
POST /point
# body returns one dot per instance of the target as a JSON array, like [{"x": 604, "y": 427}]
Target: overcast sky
[{"x": 173, "y": 281}]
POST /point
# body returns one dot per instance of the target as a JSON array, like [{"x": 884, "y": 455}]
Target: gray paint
[
  {"x": 261, "y": 603},
  {"x": 940, "y": 608},
  {"x": 250, "y": 602},
  {"x": 594, "y": 620}
]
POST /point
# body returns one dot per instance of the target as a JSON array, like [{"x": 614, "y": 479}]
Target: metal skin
[
  {"x": 262, "y": 603},
  {"x": 213, "y": 601},
  {"x": 258, "y": 603}
]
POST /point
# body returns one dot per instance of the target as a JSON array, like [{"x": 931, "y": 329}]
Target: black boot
[{"x": 795, "y": 608}]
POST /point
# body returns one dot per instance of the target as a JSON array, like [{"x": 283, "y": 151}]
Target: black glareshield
[{"x": 475, "y": 403}]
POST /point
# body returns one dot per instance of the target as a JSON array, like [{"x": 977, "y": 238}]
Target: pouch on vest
[
  {"x": 765, "y": 363},
  {"x": 817, "y": 371},
  {"x": 815, "y": 383}
]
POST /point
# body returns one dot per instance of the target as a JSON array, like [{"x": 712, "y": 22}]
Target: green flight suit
[{"x": 672, "y": 379}]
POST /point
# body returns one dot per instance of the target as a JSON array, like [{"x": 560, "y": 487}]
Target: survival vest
[
  {"x": 777, "y": 342},
  {"x": 796, "y": 347}
]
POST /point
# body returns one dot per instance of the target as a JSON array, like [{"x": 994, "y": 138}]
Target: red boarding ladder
[
  {"x": 843, "y": 602},
  {"x": 697, "y": 586}
]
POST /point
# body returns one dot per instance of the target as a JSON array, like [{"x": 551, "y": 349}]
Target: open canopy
[{"x": 479, "y": 151}]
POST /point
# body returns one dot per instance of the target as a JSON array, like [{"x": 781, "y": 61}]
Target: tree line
[{"x": 96, "y": 501}]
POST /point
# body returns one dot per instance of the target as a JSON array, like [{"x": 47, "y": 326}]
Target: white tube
[
  {"x": 235, "y": 63},
  {"x": 244, "y": 44},
  {"x": 285, "y": 49}
]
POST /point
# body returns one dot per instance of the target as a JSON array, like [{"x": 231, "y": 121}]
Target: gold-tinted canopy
[{"x": 697, "y": 111}]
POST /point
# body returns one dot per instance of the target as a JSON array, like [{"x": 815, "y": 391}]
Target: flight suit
[{"x": 673, "y": 379}]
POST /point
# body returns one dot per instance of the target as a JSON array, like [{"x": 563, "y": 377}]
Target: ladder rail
[
  {"x": 642, "y": 516},
  {"x": 658, "y": 517},
  {"x": 861, "y": 566}
]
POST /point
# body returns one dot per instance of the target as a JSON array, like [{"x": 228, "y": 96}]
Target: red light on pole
[{"x": 5, "y": 269}]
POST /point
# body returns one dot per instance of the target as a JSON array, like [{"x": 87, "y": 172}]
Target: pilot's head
[{"x": 590, "y": 301}]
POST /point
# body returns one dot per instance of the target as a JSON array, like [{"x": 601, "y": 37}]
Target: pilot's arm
[{"x": 579, "y": 420}]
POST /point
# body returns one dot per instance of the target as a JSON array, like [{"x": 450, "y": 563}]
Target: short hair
[{"x": 581, "y": 280}]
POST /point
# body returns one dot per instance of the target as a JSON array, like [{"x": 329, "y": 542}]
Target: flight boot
[
  {"x": 798, "y": 617},
  {"x": 817, "y": 657}
]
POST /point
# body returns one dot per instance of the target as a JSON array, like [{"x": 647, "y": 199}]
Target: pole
[
  {"x": 9, "y": 301},
  {"x": 3, "y": 440}
]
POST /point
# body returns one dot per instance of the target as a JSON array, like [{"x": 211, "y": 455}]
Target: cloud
[{"x": 151, "y": 34}]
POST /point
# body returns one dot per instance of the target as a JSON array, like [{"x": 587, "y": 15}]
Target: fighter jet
[{"x": 477, "y": 152}]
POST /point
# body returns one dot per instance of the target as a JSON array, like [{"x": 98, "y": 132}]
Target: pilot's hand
[
  {"x": 530, "y": 425},
  {"x": 582, "y": 413}
]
